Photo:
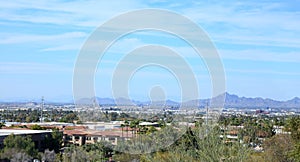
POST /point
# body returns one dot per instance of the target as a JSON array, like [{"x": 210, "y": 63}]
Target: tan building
[{"x": 84, "y": 136}]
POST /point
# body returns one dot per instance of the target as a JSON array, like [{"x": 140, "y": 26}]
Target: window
[{"x": 68, "y": 138}]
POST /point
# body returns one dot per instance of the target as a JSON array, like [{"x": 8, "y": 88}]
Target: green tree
[
  {"x": 113, "y": 116},
  {"x": 192, "y": 146},
  {"x": 122, "y": 127},
  {"x": 69, "y": 118},
  {"x": 94, "y": 153},
  {"x": 293, "y": 125},
  {"x": 277, "y": 148},
  {"x": 126, "y": 123},
  {"x": 124, "y": 115},
  {"x": 54, "y": 142},
  {"x": 134, "y": 125},
  {"x": 1, "y": 125},
  {"x": 36, "y": 127},
  {"x": 295, "y": 152},
  {"x": 14, "y": 144},
  {"x": 77, "y": 154},
  {"x": 255, "y": 129}
]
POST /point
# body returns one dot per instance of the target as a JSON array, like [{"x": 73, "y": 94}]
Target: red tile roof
[{"x": 86, "y": 132}]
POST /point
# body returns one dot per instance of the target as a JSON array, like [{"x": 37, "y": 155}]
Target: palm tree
[
  {"x": 126, "y": 124},
  {"x": 122, "y": 126},
  {"x": 132, "y": 125}
]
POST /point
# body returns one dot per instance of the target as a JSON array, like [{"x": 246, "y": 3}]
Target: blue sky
[{"x": 258, "y": 42}]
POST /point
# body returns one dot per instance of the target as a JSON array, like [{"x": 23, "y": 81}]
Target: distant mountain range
[
  {"x": 231, "y": 101},
  {"x": 236, "y": 101}
]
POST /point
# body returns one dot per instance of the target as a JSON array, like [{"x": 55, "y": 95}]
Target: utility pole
[
  {"x": 95, "y": 103},
  {"x": 6, "y": 114},
  {"x": 206, "y": 121},
  {"x": 42, "y": 108},
  {"x": 51, "y": 114}
]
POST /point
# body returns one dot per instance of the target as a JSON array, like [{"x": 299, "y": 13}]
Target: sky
[{"x": 258, "y": 43}]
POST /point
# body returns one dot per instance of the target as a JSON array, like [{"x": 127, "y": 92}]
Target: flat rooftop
[{"x": 6, "y": 132}]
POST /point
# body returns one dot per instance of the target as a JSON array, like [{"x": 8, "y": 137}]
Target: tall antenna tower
[
  {"x": 206, "y": 120},
  {"x": 42, "y": 109},
  {"x": 95, "y": 103}
]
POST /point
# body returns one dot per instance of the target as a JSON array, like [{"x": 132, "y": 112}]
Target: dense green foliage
[
  {"x": 54, "y": 142},
  {"x": 30, "y": 116},
  {"x": 94, "y": 153},
  {"x": 280, "y": 147},
  {"x": 14, "y": 145},
  {"x": 22, "y": 148}
]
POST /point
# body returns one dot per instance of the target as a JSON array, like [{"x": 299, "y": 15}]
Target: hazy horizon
[{"x": 71, "y": 100}]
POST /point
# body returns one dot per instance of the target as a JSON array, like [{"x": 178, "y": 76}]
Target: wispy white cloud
[
  {"x": 75, "y": 13},
  {"x": 236, "y": 38},
  {"x": 31, "y": 68},
  {"x": 265, "y": 72},
  {"x": 25, "y": 38},
  {"x": 73, "y": 46},
  {"x": 246, "y": 14},
  {"x": 188, "y": 52},
  {"x": 252, "y": 23},
  {"x": 261, "y": 55},
  {"x": 240, "y": 23}
]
